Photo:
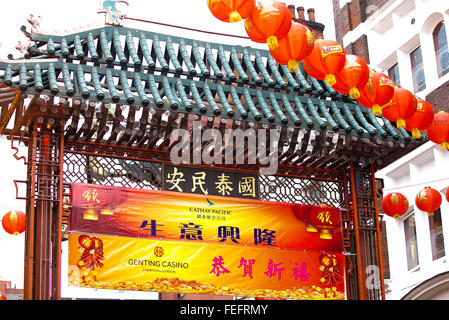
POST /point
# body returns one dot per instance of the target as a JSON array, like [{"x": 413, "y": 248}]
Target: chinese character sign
[{"x": 210, "y": 182}]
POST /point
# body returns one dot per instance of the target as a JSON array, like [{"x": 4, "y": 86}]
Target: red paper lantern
[
  {"x": 428, "y": 200},
  {"x": 323, "y": 219},
  {"x": 86, "y": 242},
  {"x": 268, "y": 23},
  {"x": 294, "y": 47},
  {"x": 2, "y": 296},
  {"x": 421, "y": 120},
  {"x": 447, "y": 194},
  {"x": 231, "y": 10},
  {"x": 402, "y": 106},
  {"x": 378, "y": 91},
  {"x": 325, "y": 61},
  {"x": 438, "y": 132},
  {"x": 14, "y": 222},
  {"x": 353, "y": 77},
  {"x": 395, "y": 205}
]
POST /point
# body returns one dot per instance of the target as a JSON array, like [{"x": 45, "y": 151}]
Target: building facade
[{"x": 407, "y": 40}]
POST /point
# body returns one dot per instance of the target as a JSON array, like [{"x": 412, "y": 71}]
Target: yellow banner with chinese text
[{"x": 109, "y": 262}]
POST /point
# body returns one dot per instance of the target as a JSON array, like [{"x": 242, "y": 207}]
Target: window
[
  {"x": 411, "y": 242},
  {"x": 436, "y": 235},
  {"x": 393, "y": 73},
  {"x": 419, "y": 77},
  {"x": 441, "y": 49}
]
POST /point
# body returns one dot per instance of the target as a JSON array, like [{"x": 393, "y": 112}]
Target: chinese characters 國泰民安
[{"x": 222, "y": 184}]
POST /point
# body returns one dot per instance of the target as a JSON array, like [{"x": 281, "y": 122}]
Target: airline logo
[{"x": 328, "y": 50}]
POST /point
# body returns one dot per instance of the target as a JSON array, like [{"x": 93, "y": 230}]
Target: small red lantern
[
  {"x": 231, "y": 10},
  {"x": 447, "y": 194},
  {"x": 14, "y": 222},
  {"x": 268, "y": 23},
  {"x": 353, "y": 77},
  {"x": 2, "y": 296},
  {"x": 395, "y": 205},
  {"x": 325, "y": 61},
  {"x": 86, "y": 242},
  {"x": 438, "y": 131},
  {"x": 428, "y": 200},
  {"x": 421, "y": 120},
  {"x": 378, "y": 91},
  {"x": 323, "y": 219},
  {"x": 294, "y": 47},
  {"x": 402, "y": 106}
]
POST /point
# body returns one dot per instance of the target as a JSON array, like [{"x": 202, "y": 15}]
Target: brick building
[
  {"x": 407, "y": 40},
  {"x": 11, "y": 293}
]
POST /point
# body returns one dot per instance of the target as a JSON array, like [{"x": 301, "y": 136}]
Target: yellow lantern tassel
[
  {"x": 416, "y": 133},
  {"x": 400, "y": 124},
  {"x": 330, "y": 79},
  {"x": 377, "y": 110},
  {"x": 272, "y": 42},
  {"x": 396, "y": 216},
  {"x": 249, "y": 25},
  {"x": 354, "y": 93},
  {"x": 445, "y": 145},
  {"x": 293, "y": 65},
  {"x": 430, "y": 214},
  {"x": 235, "y": 16},
  {"x": 325, "y": 234}
]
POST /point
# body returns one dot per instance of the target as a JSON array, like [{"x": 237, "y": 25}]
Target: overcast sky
[{"x": 68, "y": 17}]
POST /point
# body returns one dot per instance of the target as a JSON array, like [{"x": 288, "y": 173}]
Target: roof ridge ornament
[
  {"x": 113, "y": 15},
  {"x": 35, "y": 23}
]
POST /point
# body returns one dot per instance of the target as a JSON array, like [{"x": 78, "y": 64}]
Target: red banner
[{"x": 207, "y": 219}]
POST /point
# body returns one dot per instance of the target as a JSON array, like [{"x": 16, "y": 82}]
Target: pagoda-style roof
[{"x": 130, "y": 88}]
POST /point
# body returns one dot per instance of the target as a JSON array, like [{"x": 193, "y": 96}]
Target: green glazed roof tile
[{"x": 135, "y": 67}]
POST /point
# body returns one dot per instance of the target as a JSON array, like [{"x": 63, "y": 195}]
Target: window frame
[
  {"x": 438, "y": 50},
  {"x": 416, "y": 87},
  {"x": 416, "y": 268}
]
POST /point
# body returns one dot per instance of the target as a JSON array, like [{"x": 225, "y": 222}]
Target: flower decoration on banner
[
  {"x": 331, "y": 272},
  {"x": 3, "y": 296},
  {"x": 421, "y": 120},
  {"x": 13, "y": 222},
  {"x": 325, "y": 61},
  {"x": 395, "y": 205},
  {"x": 402, "y": 106},
  {"x": 378, "y": 91},
  {"x": 231, "y": 10},
  {"x": 268, "y": 23},
  {"x": 294, "y": 47},
  {"x": 92, "y": 255},
  {"x": 428, "y": 200},
  {"x": 438, "y": 132},
  {"x": 353, "y": 77}
]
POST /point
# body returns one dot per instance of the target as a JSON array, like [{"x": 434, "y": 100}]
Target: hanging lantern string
[
  {"x": 416, "y": 185},
  {"x": 186, "y": 28},
  {"x": 209, "y": 32}
]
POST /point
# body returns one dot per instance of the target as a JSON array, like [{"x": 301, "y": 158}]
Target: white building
[{"x": 407, "y": 39}]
